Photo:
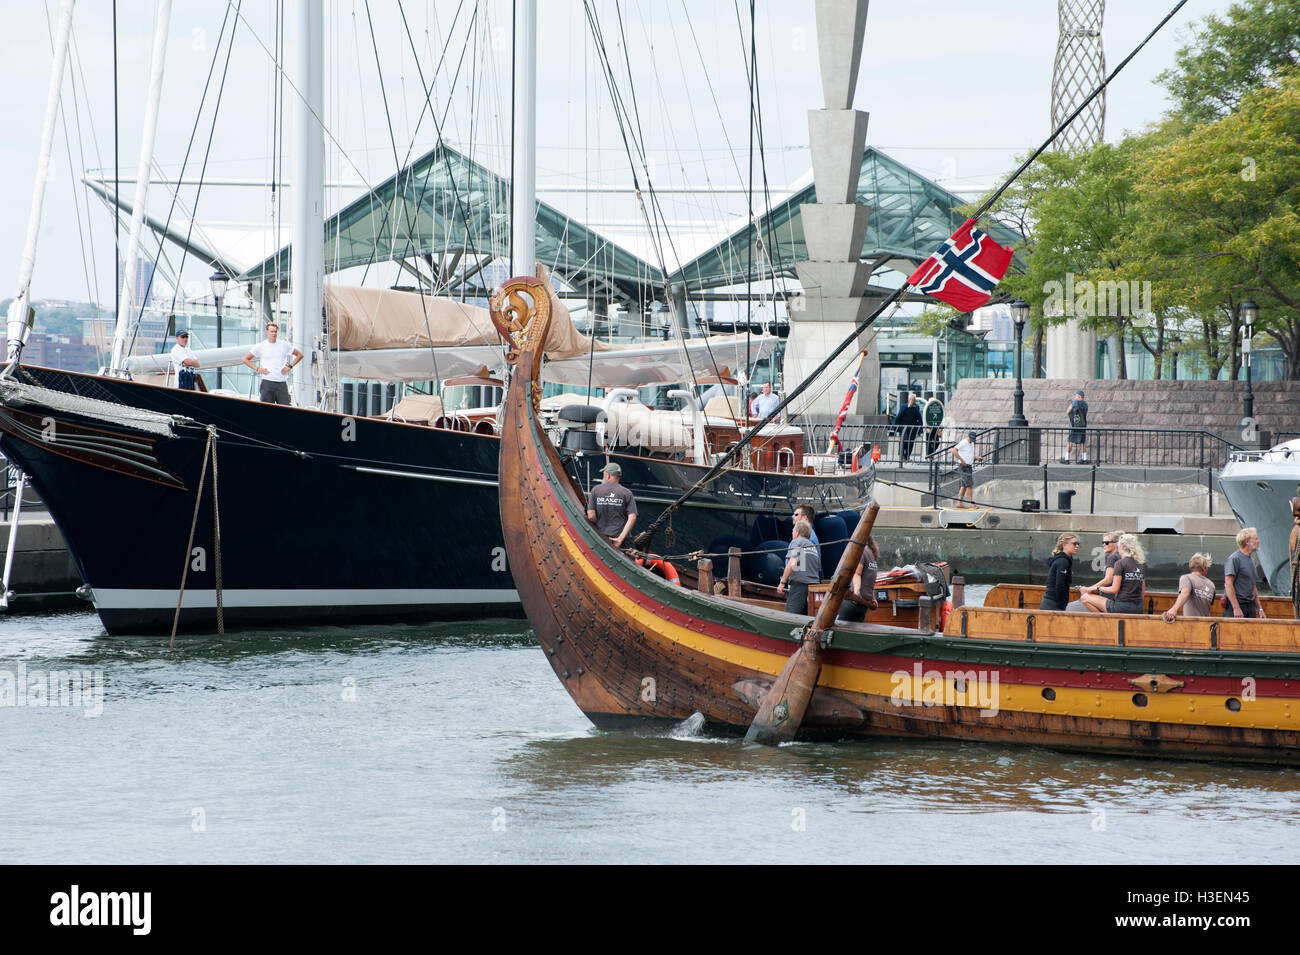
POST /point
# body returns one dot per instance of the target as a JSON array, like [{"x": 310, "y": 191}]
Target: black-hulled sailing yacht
[{"x": 205, "y": 510}]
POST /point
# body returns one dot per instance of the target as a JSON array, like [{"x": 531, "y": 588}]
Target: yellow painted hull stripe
[{"x": 1187, "y": 708}]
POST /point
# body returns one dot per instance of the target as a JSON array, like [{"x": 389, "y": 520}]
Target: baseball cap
[{"x": 611, "y": 468}]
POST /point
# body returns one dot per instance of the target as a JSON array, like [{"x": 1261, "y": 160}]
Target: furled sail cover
[{"x": 365, "y": 319}]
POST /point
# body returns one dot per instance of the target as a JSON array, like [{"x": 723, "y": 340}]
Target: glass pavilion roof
[{"x": 446, "y": 205}]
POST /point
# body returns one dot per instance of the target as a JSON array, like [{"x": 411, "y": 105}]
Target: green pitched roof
[
  {"x": 445, "y": 202},
  {"x": 910, "y": 218}
]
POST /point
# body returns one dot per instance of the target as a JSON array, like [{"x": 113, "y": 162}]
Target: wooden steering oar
[{"x": 781, "y": 714}]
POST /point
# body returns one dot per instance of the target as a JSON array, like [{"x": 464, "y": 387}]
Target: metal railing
[{"x": 1123, "y": 447}]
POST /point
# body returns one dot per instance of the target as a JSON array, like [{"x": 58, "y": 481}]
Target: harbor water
[{"x": 456, "y": 743}]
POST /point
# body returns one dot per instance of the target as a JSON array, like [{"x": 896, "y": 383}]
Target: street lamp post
[
  {"x": 219, "y": 284},
  {"x": 1019, "y": 314},
  {"x": 1249, "y": 312},
  {"x": 1174, "y": 342}
]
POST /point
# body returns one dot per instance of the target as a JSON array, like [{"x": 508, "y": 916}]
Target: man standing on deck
[
  {"x": 765, "y": 403},
  {"x": 803, "y": 566},
  {"x": 1239, "y": 577},
  {"x": 273, "y": 360},
  {"x": 611, "y": 506},
  {"x": 183, "y": 362}
]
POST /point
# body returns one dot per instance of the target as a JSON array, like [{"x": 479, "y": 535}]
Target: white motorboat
[{"x": 1259, "y": 486}]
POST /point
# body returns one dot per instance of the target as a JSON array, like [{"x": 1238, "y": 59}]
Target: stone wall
[{"x": 1213, "y": 406}]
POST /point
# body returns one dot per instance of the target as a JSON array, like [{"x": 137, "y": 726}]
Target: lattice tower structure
[{"x": 1079, "y": 69}]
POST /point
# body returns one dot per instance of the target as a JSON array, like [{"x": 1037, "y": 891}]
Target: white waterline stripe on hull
[
  {"x": 422, "y": 477},
  {"x": 130, "y": 599}
]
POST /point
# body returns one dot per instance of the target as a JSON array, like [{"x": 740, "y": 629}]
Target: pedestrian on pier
[
  {"x": 966, "y": 457},
  {"x": 1077, "y": 415},
  {"x": 909, "y": 423}
]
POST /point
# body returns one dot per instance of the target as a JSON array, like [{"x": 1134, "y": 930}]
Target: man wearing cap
[
  {"x": 611, "y": 506},
  {"x": 966, "y": 457},
  {"x": 273, "y": 360},
  {"x": 184, "y": 362},
  {"x": 1077, "y": 414}
]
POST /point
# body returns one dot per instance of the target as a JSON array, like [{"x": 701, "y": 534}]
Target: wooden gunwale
[{"x": 603, "y": 624}]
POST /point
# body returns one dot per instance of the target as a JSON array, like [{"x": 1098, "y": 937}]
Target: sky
[{"x": 955, "y": 90}]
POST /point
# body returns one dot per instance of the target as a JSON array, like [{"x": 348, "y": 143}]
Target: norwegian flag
[
  {"x": 965, "y": 269},
  {"x": 844, "y": 408}
]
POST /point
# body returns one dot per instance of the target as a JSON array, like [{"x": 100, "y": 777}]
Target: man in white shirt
[
  {"x": 273, "y": 360},
  {"x": 966, "y": 457},
  {"x": 183, "y": 362},
  {"x": 764, "y": 404}
]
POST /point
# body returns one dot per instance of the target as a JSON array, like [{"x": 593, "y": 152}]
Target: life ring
[
  {"x": 657, "y": 565},
  {"x": 945, "y": 614}
]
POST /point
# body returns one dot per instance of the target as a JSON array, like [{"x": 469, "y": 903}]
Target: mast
[
  {"x": 307, "y": 271},
  {"x": 20, "y": 309},
  {"x": 523, "y": 203},
  {"x": 126, "y": 307}
]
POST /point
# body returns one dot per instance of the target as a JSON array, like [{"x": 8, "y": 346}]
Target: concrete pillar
[
  {"x": 1071, "y": 351},
  {"x": 833, "y": 279}
]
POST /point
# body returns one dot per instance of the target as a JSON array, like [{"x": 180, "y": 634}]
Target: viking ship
[{"x": 633, "y": 649}]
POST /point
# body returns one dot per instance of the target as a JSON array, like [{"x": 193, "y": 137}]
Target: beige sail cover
[{"x": 358, "y": 319}]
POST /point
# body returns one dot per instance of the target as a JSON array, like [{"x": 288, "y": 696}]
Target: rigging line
[
  {"x": 117, "y": 170},
  {"x": 277, "y": 153},
  {"x": 461, "y": 208},
  {"x": 216, "y": 55},
  {"x": 620, "y": 112},
  {"x": 386, "y": 215},
  {"x": 643, "y": 540},
  {"x": 325, "y": 129},
  {"x": 82, "y": 232}
]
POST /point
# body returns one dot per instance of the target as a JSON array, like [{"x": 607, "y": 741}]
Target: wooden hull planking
[{"x": 632, "y": 649}]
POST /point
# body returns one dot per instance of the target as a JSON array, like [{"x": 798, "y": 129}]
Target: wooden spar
[{"x": 782, "y": 712}]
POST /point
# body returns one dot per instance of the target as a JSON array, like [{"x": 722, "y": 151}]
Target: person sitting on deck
[
  {"x": 1128, "y": 585},
  {"x": 1239, "y": 578},
  {"x": 1110, "y": 547},
  {"x": 864, "y": 585},
  {"x": 803, "y": 566},
  {"x": 1060, "y": 571},
  {"x": 1195, "y": 590}
]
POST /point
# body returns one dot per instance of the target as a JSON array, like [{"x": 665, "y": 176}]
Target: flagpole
[{"x": 645, "y": 537}]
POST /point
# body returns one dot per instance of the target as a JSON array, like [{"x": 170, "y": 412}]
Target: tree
[
  {"x": 1230, "y": 56},
  {"x": 1219, "y": 213}
]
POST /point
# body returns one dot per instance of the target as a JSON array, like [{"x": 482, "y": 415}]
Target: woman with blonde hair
[
  {"x": 1110, "y": 551},
  {"x": 1195, "y": 590},
  {"x": 1060, "y": 571},
  {"x": 1128, "y": 586}
]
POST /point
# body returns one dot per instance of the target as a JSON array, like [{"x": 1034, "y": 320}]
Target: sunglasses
[{"x": 1107, "y": 540}]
